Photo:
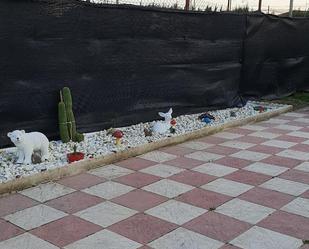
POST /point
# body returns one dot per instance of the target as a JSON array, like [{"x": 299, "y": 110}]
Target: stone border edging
[{"x": 83, "y": 166}]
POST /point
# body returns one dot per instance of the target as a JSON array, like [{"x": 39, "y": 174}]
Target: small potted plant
[{"x": 75, "y": 156}]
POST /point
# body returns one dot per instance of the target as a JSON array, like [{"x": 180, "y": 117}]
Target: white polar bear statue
[
  {"x": 161, "y": 127},
  {"x": 28, "y": 143}
]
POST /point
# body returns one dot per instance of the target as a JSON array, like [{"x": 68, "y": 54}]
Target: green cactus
[
  {"x": 66, "y": 116},
  {"x": 62, "y": 117}
]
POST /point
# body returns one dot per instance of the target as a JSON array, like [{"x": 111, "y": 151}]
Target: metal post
[
  {"x": 260, "y": 5},
  {"x": 291, "y": 8},
  {"x": 187, "y": 6}
]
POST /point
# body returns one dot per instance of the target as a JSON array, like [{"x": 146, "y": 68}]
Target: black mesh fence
[{"x": 126, "y": 63}]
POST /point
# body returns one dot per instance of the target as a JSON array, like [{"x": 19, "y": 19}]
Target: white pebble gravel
[{"x": 100, "y": 143}]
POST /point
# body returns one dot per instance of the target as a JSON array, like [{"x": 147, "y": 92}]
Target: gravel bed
[{"x": 102, "y": 143}]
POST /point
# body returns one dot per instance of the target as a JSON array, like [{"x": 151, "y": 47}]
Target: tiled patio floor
[{"x": 246, "y": 187}]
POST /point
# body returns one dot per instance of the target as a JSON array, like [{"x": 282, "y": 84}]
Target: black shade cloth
[{"x": 124, "y": 64}]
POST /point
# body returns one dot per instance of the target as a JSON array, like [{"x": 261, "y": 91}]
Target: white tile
[
  {"x": 33, "y": 217},
  {"x": 294, "y": 114},
  {"x": 265, "y": 168},
  {"x": 298, "y": 206},
  {"x": 47, "y": 191},
  {"x": 111, "y": 171},
  {"x": 276, "y": 121},
  {"x": 288, "y": 127},
  {"x": 306, "y": 142},
  {"x": 237, "y": 144},
  {"x": 250, "y": 155},
  {"x": 303, "y": 167},
  {"x": 182, "y": 238},
  {"x": 261, "y": 238},
  {"x": 301, "y": 134},
  {"x": 214, "y": 169},
  {"x": 244, "y": 211},
  {"x": 162, "y": 170},
  {"x": 285, "y": 186},
  {"x": 299, "y": 155},
  {"x": 168, "y": 188},
  {"x": 26, "y": 241},
  {"x": 264, "y": 134},
  {"x": 227, "y": 187},
  {"x": 254, "y": 127},
  {"x": 204, "y": 156},
  {"x": 196, "y": 145},
  {"x": 228, "y": 135},
  {"x": 279, "y": 144},
  {"x": 158, "y": 156},
  {"x": 176, "y": 212},
  {"x": 106, "y": 213},
  {"x": 108, "y": 190},
  {"x": 302, "y": 120},
  {"x": 104, "y": 240}
]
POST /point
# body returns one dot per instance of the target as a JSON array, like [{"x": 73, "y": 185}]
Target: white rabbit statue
[{"x": 161, "y": 127}]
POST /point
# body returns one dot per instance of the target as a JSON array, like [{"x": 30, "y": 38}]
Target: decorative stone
[{"x": 100, "y": 143}]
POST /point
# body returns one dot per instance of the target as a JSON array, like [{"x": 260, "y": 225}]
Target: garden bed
[{"x": 99, "y": 147}]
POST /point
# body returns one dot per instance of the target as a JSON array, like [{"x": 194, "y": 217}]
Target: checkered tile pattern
[{"x": 247, "y": 187}]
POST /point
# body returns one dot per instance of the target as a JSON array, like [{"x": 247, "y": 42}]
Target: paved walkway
[{"x": 253, "y": 194}]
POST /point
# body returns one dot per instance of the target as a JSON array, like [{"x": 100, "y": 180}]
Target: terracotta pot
[{"x": 73, "y": 157}]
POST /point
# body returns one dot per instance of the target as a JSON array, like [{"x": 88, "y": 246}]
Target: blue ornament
[{"x": 206, "y": 120}]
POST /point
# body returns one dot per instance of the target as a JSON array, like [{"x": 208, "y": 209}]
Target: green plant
[
  {"x": 62, "y": 117},
  {"x": 67, "y": 124}
]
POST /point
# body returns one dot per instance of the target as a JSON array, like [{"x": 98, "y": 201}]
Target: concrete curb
[{"x": 83, "y": 166}]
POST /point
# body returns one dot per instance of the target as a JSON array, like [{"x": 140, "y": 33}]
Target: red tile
[
  {"x": 74, "y": 202},
  {"x": 142, "y": 228},
  {"x": 296, "y": 176},
  {"x": 300, "y": 147},
  {"x": 252, "y": 139},
  {"x": 192, "y": 178},
  {"x": 286, "y": 223},
  {"x": 266, "y": 197},
  {"x": 136, "y": 163},
  {"x": 177, "y": 150},
  {"x": 233, "y": 162},
  {"x": 305, "y": 129},
  {"x": 217, "y": 226},
  {"x": 282, "y": 161},
  {"x": 81, "y": 181},
  {"x": 139, "y": 200},
  {"x": 8, "y": 230},
  {"x": 137, "y": 179},
  {"x": 240, "y": 130},
  {"x": 212, "y": 140},
  {"x": 15, "y": 202},
  {"x": 276, "y": 131},
  {"x": 66, "y": 230},
  {"x": 266, "y": 124},
  {"x": 248, "y": 177},
  {"x": 222, "y": 150},
  {"x": 306, "y": 194},
  {"x": 295, "y": 123},
  {"x": 204, "y": 198},
  {"x": 291, "y": 139},
  {"x": 265, "y": 149},
  {"x": 185, "y": 163}
]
